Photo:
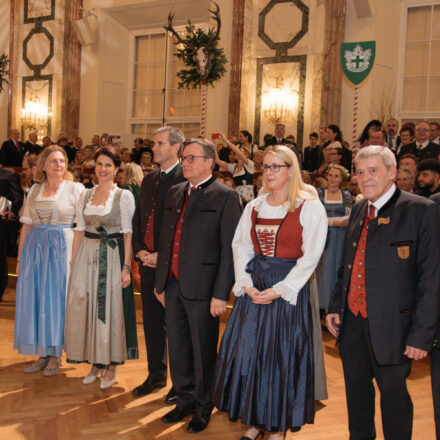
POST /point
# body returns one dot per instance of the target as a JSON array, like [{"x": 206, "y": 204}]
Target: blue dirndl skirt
[
  {"x": 264, "y": 373},
  {"x": 41, "y": 292}
]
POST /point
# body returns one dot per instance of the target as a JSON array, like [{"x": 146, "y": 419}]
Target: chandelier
[
  {"x": 279, "y": 103},
  {"x": 34, "y": 114}
]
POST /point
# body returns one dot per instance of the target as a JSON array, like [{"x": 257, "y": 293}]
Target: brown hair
[
  {"x": 111, "y": 153},
  {"x": 40, "y": 174}
]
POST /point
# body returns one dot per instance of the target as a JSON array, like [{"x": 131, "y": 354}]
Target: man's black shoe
[
  {"x": 149, "y": 386},
  {"x": 198, "y": 423},
  {"x": 177, "y": 414},
  {"x": 172, "y": 397}
]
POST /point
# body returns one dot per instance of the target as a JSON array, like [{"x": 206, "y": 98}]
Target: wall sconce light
[
  {"x": 279, "y": 103},
  {"x": 34, "y": 115}
]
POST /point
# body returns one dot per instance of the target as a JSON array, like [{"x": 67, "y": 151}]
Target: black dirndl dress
[{"x": 265, "y": 372}]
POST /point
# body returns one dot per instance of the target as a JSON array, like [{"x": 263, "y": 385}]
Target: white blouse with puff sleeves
[
  {"x": 313, "y": 220},
  {"x": 126, "y": 208}
]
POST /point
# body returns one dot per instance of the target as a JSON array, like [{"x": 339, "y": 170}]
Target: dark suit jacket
[
  {"x": 9, "y": 155},
  {"x": 206, "y": 267},
  {"x": 431, "y": 151},
  {"x": 273, "y": 141},
  {"x": 29, "y": 147},
  {"x": 11, "y": 189},
  {"x": 153, "y": 193},
  {"x": 311, "y": 158},
  {"x": 436, "y": 199},
  {"x": 401, "y": 274}
]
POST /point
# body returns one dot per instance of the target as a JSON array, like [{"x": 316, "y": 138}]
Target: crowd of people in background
[{"x": 96, "y": 226}]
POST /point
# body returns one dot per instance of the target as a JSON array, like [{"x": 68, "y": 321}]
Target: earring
[{"x": 115, "y": 173}]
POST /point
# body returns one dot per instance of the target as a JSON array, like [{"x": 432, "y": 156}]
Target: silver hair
[
  {"x": 384, "y": 153},
  {"x": 408, "y": 171},
  {"x": 175, "y": 135}
]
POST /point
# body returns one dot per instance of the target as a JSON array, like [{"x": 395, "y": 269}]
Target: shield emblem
[
  {"x": 403, "y": 252},
  {"x": 357, "y": 60}
]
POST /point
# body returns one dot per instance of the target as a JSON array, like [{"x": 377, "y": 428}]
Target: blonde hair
[
  {"x": 296, "y": 188},
  {"x": 40, "y": 174},
  {"x": 132, "y": 174}
]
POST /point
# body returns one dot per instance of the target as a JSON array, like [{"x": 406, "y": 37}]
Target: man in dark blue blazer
[
  {"x": 11, "y": 153},
  {"x": 195, "y": 269},
  {"x": 385, "y": 306}
]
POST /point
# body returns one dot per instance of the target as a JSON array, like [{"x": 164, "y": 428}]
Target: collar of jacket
[{"x": 390, "y": 202}]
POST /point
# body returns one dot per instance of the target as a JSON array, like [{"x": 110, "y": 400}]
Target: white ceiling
[{"x": 147, "y": 14}]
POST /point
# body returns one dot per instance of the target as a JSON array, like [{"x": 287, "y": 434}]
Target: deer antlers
[{"x": 216, "y": 17}]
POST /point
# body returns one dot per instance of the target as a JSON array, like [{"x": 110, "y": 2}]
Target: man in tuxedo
[
  {"x": 10, "y": 188},
  {"x": 435, "y": 363},
  {"x": 147, "y": 220},
  {"x": 12, "y": 150},
  {"x": 194, "y": 277},
  {"x": 278, "y": 139},
  {"x": 385, "y": 306},
  {"x": 31, "y": 146},
  {"x": 422, "y": 147}
]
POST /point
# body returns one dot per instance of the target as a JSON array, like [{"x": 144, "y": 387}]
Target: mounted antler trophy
[{"x": 204, "y": 61}]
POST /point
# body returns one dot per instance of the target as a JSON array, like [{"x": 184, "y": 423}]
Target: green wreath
[
  {"x": 4, "y": 72},
  {"x": 197, "y": 38}
]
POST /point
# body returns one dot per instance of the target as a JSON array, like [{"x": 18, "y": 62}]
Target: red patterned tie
[{"x": 357, "y": 300}]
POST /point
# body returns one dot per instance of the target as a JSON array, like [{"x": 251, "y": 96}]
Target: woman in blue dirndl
[
  {"x": 265, "y": 370},
  {"x": 337, "y": 203},
  {"x": 43, "y": 261}
]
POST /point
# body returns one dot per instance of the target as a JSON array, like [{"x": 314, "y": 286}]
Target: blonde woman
[
  {"x": 132, "y": 179},
  {"x": 44, "y": 260},
  {"x": 265, "y": 369},
  {"x": 337, "y": 203}
]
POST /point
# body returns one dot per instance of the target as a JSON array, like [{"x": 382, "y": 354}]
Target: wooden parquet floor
[{"x": 33, "y": 407}]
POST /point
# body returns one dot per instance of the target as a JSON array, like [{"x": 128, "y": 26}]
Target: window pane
[
  {"x": 193, "y": 102},
  {"x": 176, "y": 102},
  {"x": 138, "y": 105},
  {"x": 138, "y": 129},
  {"x": 419, "y": 23},
  {"x": 434, "y": 68},
  {"x": 191, "y": 130},
  {"x": 154, "y": 104},
  {"x": 151, "y": 129},
  {"x": 157, "y": 47},
  {"x": 141, "y": 49},
  {"x": 155, "y": 76},
  {"x": 173, "y": 67},
  {"x": 140, "y": 76},
  {"x": 416, "y": 59},
  {"x": 414, "y": 92},
  {"x": 434, "y": 93}
]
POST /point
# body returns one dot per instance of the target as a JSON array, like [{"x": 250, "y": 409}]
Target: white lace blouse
[
  {"x": 126, "y": 208},
  {"x": 313, "y": 220}
]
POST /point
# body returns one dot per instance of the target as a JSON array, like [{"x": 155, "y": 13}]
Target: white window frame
[
  {"x": 132, "y": 48},
  {"x": 405, "y": 115}
]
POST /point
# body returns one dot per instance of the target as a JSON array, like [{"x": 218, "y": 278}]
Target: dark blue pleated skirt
[{"x": 264, "y": 373}]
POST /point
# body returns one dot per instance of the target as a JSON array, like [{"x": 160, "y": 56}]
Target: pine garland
[
  {"x": 190, "y": 77},
  {"x": 4, "y": 72}
]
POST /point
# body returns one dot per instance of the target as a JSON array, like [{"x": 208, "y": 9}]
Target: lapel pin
[{"x": 383, "y": 221}]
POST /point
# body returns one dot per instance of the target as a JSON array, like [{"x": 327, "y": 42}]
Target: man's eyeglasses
[
  {"x": 275, "y": 168},
  {"x": 190, "y": 158}
]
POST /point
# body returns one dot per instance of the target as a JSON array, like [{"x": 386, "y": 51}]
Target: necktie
[
  {"x": 17, "y": 146},
  {"x": 163, "y": 174}
]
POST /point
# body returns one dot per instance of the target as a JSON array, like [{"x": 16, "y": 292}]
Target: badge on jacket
[{"x": 403, "y": 252}]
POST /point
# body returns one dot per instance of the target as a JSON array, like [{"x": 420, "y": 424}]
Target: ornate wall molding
[{"x": 236, "y": 67}]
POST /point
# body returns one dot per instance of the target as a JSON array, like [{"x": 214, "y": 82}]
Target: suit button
[
  {"x": 354, "y": 244},
  {"x": 178, "y": 210},
  {"x": 349, "y": 266}
]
